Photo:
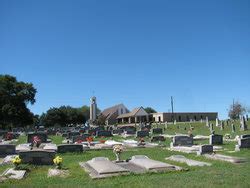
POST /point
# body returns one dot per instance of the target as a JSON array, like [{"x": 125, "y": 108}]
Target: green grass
[{"x": 220, "y": 174}]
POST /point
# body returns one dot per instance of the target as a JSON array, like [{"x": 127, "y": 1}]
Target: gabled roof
[
  {"x": 108, "y": 112},
  {"x": 131, "y": 114}
]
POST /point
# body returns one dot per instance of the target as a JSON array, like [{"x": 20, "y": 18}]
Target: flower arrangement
[
  {"x": 118, "y": 149},
  {"x": 141, "y": 141},
  {"x": 17, "y": 161},
  {"x": 103, "y": 140},
  {"x": 58, "y": 162},
  {"x": 89, "y": 140}
]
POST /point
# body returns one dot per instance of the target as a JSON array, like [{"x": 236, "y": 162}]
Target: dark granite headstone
[
  {"x": 182, "y": 141},
  {"x": 157, "y": 131},
  {"x": 158, "y": 138},
  {"x": 215, "y": 139},
  {"x": 205, "y": 149},
  {"x": 244, "y": 142},
  {"x": 130, "y": 132},
  {"x": 104, "y": 133},
  {"x": 65, "y": 148},
  {"x": 141, "y": 134},
  {"x": 43, "y": 136},
  {"x": 245, "y": 136},
  {"x": 7, "y": 149},
  {"x": 37, "y": 157}
]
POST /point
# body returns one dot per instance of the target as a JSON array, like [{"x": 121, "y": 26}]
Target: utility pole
[{"x": 172, "y": 106}]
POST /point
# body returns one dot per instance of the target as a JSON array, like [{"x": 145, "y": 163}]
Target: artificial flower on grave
[
  {"x": 103, "y": 140},
  {"x": 58, "y": 162},
  {"x": 16, "y": 161},
  {"x": 118, "y": 149}
]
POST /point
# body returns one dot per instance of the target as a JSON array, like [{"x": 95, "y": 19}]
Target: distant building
[
  {"x": 93, "y": 110},
  {"x": 110, "y": 114},
  {"x": 183, "y": 116},
  {"x": 138, "y": 115}
]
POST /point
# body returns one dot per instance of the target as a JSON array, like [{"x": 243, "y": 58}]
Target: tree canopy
[
  {"x": 150, "y": 110},
  {"x": 236, "y": 110},
  {"x": 15, "y": 96},
  {"x": 64, "y": 116}
]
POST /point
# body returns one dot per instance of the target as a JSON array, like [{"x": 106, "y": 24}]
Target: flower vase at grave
[{"x": 118, "y": 156}]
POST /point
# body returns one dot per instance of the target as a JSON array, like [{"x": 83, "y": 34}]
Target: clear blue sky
[{"x": 134, "y": 52}]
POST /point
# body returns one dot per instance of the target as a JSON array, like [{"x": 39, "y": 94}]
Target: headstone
[
  {"x": 182, "y": 141},
  {"x": 247, "y": 117},
  {"x": 211, "y": 127},
  {"x": 245, "y": 136},
  {"x": 207, "y": 123},
  {"x": 65, "y": 148},
  {"x": 72, "y": 134},
  {"x": 217, "y": 122},
  {"x": 222, "y": 126},
  {"x": 157, "y": 131},
  {"x": 244, "y": 142},
  {"x": 215, "y": 139},
  {"x": 130, "y": 132},
  {"x": 37, "y": 157},
  {"x": 243, "y": 125},
  {"x": 189, "y": 162},
  {"x": 104, "y": 133},
  {"x": 7, "y": 149},
  {"x": 158, "y": 138},
  {"x": 117, "y": 131},
  {"x": 233, "y": 128},
  {"x": 205, "y": 149},
  {"x": 141, "y": 134},
  {"x": 42, "y": 136}
]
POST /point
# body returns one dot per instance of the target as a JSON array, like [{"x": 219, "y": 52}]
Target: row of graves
[{"x": 40, "y": 151}]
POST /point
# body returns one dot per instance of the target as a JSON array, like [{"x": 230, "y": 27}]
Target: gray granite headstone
[
  {"x": 182, "y": 141},
  {"x": 72, "y": 148},
  {"x": 37, "y": 157},
  {"x": 215, "y": 139},
  {"x": 7, "y": 149}
]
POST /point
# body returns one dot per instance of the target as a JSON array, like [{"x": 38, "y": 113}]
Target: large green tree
[
  {"x": 14, "y": 98},
  {"x": 63, "y": 116}
]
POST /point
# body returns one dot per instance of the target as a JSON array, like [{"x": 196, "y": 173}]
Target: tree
[
  {"x": 63, "y": 116},
  {"x": 235, "y": 110},
  {"x": 15, "y": 96},
  {"x": 150, "y": 110}
]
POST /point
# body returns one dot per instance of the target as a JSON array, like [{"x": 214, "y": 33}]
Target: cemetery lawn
[{"x": 220, "y": 174}]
